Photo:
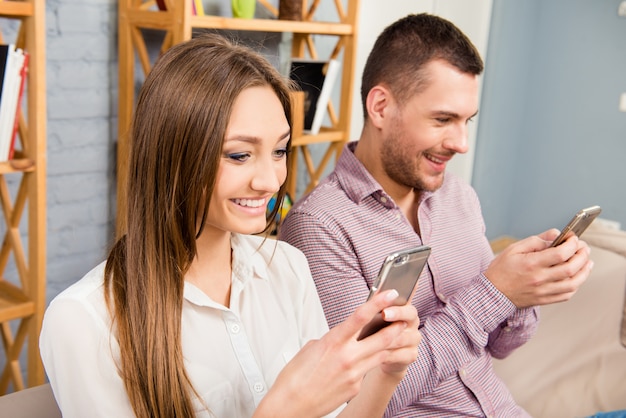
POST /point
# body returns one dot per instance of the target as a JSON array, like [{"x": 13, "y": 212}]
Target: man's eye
[
  {"x": 443, "y": 120},
  {"x": 240, "y": 156}
]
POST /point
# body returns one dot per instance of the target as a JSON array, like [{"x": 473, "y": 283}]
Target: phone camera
[{"x": 401, "y": 260}]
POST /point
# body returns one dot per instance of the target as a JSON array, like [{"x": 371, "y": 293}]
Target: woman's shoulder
[
  {"x": 86, "y": 285},
  {"x": 84, "y": 297}
]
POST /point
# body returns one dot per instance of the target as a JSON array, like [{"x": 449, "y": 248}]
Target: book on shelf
[
  {"x": 316, "y": 79},
  {"x": 4, "y": 55},
  {"x": 10, "y": 99},
  {"x": 18, "y": 109},
  {"x": 198, "y": 8}
]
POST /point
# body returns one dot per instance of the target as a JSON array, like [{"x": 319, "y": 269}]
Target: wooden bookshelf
[
  {"x": 23, "y": 194},
  {"x": 178, "y": 22}
]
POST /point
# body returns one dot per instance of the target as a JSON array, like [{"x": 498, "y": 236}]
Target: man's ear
[{"x": 378, "y": 100}]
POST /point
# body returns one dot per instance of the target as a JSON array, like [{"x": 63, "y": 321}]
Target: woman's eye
[
  {"x": 239, "y": 156},
  {"x": 280, "y": 153}
]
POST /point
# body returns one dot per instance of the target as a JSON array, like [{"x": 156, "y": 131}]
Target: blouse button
[
  {"x": 258, "y": 387},
  {"x": 235, "y": 328}
]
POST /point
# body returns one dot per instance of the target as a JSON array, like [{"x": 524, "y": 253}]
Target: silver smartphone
[
  {"x": 578, "y": 224},
  {"x": 400, "y": 270}
]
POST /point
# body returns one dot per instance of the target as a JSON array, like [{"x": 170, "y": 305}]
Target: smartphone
[
  {"x": 578, "y": 224},
  {"x": 400, "y": 270}
]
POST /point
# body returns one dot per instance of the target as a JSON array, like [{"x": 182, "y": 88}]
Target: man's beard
[{"x": 403, "y": 167}]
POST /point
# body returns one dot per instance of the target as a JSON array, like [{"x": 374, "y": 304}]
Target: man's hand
[{"x": 530, "y": 272}]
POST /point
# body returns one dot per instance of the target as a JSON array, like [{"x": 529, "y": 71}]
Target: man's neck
[{"x": 405, "y": 197}]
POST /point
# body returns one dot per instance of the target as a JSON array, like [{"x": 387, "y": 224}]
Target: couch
[
  {"x": 575, "y": 365},
  {"x": 35, "y": 402}
]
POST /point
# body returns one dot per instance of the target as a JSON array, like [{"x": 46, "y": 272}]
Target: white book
[
  {"x": 322, "y": 102},
  {"x": 9, "y": 99},
  {"x": 317, "y": 86}
]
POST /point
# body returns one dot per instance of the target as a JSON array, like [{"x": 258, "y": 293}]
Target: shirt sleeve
[
  {"x": 514, "y": 332},
  {"x": 457, "y": 333},
  {"x": 76, "y": 350}
]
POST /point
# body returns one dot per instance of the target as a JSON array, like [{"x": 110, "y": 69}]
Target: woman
[{"x": 191, "y": 315}]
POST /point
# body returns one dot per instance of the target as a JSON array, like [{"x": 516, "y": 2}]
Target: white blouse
[{"x": 232, "y": 355}]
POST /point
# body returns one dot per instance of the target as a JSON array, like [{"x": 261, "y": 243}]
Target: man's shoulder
[
  {"x": 324, "y": 198},
  {"x": 318, "y": 215}
]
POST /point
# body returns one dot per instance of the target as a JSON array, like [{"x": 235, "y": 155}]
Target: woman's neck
[{"x": 211, "y": 269}]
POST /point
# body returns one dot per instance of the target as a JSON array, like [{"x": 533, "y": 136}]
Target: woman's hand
[
  {"x": 404, "y": 348},
  {"x": 328, "y": 372}
]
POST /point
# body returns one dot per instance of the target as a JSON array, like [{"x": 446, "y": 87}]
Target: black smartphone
[
  {"x": 578, "y": 224},
  {"x": 400, "y": 270}
]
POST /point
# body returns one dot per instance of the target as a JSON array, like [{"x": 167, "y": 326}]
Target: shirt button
[
  {"x": 442, "y": 296},
  {"x": 258, "y": 387},
  {"x": 235, "y": 328},
  {"x": 462, "y": 372},
  {"x": 383, "y": 199},
  {"x": 506, "y": 329}
]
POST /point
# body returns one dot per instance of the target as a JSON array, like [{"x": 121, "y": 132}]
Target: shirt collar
[
  {"x": 354, "y": 178},
  {"x": 358, "y": 183},
  {"x": 248, "y": 262}
]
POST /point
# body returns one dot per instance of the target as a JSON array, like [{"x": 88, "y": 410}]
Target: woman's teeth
[{"x": 251, "y": 203}]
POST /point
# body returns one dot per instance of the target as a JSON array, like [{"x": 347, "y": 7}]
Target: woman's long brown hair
[{"x": 176, "y": 140}]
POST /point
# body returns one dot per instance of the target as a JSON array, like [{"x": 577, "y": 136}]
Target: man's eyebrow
[{"x": 451, "y": 114}]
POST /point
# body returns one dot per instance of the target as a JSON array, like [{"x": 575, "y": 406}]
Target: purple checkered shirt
[{"x": 348, "y": 224}]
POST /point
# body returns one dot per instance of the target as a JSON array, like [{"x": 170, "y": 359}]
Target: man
[{"x": 389, "y": 191}]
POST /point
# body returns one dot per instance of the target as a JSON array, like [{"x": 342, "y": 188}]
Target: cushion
[{"x": 607, "y": 235}]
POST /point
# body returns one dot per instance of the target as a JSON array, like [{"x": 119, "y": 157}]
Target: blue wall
[{"x": 551, "y": 138}]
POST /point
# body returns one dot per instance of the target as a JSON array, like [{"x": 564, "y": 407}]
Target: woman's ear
[{"x": 377, "y": 103}]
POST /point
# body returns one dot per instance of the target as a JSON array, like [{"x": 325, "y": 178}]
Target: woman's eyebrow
[
  {"x": 244, "y": 138},
  {"x": 251, "y": 139}
]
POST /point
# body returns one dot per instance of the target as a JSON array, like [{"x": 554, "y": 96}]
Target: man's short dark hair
[{"x": 403, "y": 49}]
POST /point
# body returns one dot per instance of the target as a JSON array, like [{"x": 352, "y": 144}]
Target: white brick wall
[{"x": 81, "y": 96}]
